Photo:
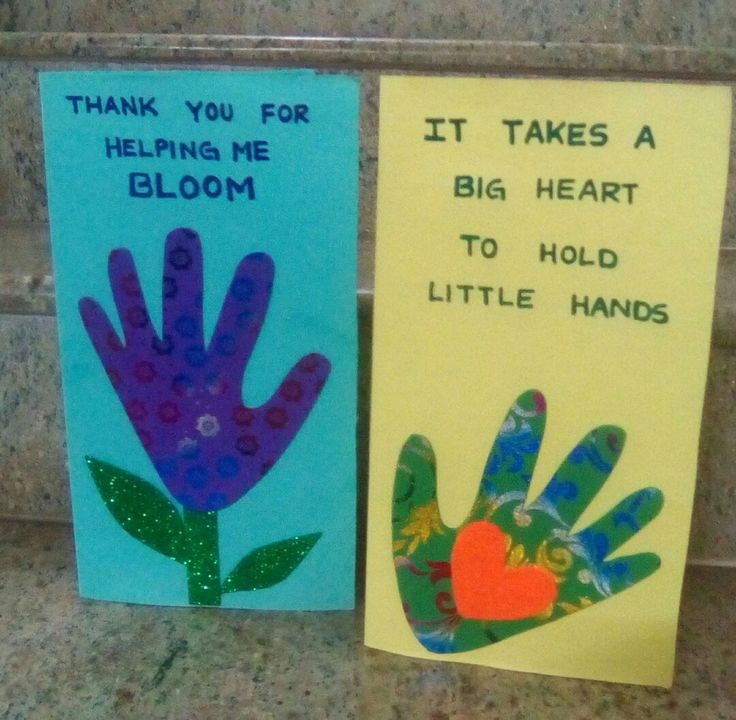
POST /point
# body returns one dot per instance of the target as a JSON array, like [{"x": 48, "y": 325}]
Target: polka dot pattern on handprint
[{"x": 183, "y": 392}]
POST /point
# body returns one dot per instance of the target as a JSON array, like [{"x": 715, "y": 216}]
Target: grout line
[
  {"x": 41, "y": 520},
  {"x": 720, "y": 563},
  {"x": 711, "y": 63}
]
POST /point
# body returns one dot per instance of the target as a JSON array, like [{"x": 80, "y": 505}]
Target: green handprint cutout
[{"x": 513, "y": 566}]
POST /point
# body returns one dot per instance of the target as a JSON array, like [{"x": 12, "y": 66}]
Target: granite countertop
[{"x": 62, "y": 657}]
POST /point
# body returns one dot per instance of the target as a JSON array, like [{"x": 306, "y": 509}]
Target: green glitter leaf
[
  {"x": 270, "y": 564},
  {"x": 140, "y": 509}
]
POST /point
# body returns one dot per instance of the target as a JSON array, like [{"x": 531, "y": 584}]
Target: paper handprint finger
[
  {"x": 626, "y": 571},
  {"x": 621, "y": 523},
  {"x": 511, "y": 462},
  {"x": 182, "y": 287},
  {"x": 243, "y": 310},
  {"x": 284, "y": 413},
  {"x": 415, "y": 481},
  {"x": 129, "y": 298},
  {"x": 422, "y": 545},
  {"x": 581, "y": 475},
  {"x": 105, "y": 339}
]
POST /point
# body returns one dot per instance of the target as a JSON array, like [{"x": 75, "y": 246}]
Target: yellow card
[{"x": 545, "y": 272}]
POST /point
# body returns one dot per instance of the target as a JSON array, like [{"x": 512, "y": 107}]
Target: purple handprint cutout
[{"x": 184, "y": 398}]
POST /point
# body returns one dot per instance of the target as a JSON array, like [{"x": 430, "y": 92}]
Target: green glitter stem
[{"x": 203, "y": 557}]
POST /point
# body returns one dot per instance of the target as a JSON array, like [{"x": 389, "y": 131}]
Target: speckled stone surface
[
  {"x": 713, "y": 532},
  {"x": 22, "y": 179},
  {"x": 728, "y": 236},
  {"x": 32, "y": 448},
  {"x": 717, "y": 22},
  {"x": 368, "y": 158},
  {"x": 26, "y": 282},
  {"x": 674, "y": 22},
  {"x": 565, "y": 20},
  {"x": 724, "y": 318},
  {"x": 578, "y": 59},
  {"x": 62, "y": 658}
]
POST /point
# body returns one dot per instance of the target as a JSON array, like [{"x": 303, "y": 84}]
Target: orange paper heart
[{"x": 485, "y": 588}]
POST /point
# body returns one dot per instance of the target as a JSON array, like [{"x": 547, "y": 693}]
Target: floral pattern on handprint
[{"x": 514, "y": 565}]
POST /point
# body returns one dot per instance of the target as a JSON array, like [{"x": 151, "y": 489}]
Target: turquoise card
[{"x": 203, "y": 230}]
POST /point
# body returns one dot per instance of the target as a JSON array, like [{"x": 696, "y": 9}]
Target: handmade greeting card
[
  {"x": 546, "y": 258},
  {"x": 203, "y": 232}
]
